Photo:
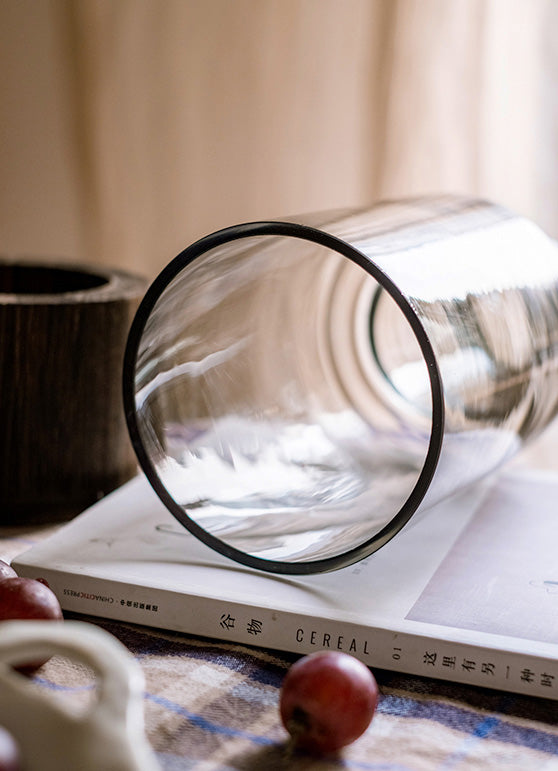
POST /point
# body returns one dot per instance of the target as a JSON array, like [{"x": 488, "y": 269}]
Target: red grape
[
  {"x": 6, "y": 571},
  {"x": 327, "y": 701},
  {"x": 25, "y": 598},
  {"x": 9, "y": 753}
]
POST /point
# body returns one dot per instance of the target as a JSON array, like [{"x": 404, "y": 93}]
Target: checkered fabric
[{"x": 211, "y": 706}]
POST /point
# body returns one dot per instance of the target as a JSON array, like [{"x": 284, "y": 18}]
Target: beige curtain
[{"x": 131, "y": 127}]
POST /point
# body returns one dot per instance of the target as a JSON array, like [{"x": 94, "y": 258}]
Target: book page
[
  {"x": 501, "y": 574},
  {"x": 131, "y": 537}
]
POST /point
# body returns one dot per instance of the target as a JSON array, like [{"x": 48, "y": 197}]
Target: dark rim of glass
[
  {"x": 372, "y": 338},
  {"x": 305, "y": 232}
]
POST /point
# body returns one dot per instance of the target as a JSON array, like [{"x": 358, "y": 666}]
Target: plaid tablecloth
[{"x": 212, "y": 706}]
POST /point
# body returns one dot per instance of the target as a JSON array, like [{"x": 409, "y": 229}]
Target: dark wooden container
[{"x": 63, "y": 439}]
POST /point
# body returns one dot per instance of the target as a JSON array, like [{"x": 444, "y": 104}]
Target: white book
[{"x": 467, "y": 592}]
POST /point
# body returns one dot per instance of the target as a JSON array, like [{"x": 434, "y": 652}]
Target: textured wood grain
[{"x": 63, "y": 439}]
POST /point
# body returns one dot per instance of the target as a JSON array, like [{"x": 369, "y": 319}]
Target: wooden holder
[{"x": 63, "y": 438}]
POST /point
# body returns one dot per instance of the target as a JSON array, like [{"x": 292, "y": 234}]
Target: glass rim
[{"x": 280, "y": 228}]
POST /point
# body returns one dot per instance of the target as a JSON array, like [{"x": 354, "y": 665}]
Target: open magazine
[{"x": 467, "y": 592}]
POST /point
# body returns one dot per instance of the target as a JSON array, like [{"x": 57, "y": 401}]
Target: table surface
[{"x": 212, "y": 706}]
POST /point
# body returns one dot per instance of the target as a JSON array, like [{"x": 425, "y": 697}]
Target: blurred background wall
[{"x": 128, "y": 128}]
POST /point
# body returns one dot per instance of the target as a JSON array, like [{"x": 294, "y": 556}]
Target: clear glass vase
[{"x": 296, "y": 389}]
